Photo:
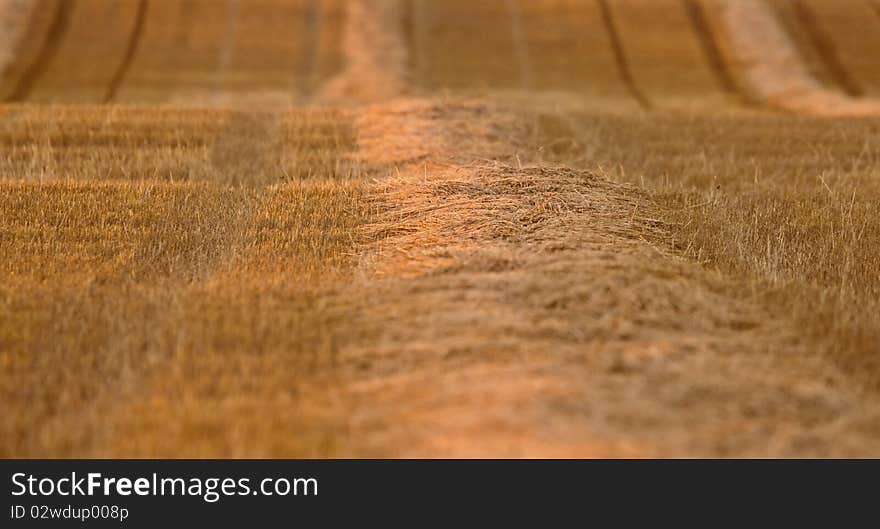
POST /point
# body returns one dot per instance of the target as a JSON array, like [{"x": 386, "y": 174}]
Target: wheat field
[{"x": 424, "y": 228}]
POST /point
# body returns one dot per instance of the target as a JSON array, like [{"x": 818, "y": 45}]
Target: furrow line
[
  {"x": 773, "y": 65},
  {"x": 712, "y": 52},
  {"x": 130, "y": 51},
  {"x": 50, "y": 46},
  {"x": 826, "y": 49},
  {"x": 620, "y": 56}
]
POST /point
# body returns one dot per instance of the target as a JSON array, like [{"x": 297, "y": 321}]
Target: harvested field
[
  {"x": 852, "y": 29},
  {"x": 414, "y": 228}
]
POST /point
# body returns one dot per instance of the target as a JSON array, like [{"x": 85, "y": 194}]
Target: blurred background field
[{"x": 191, "y": 198}]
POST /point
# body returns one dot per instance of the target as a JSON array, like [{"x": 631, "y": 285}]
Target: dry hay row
[
  {"x": 794, "y": 218},
  {"x": 542, "y": 294},
  {"x": 732, "y": 62},
  {"x": 774, "y": 66},
  {"x": 539, "y": 310}
]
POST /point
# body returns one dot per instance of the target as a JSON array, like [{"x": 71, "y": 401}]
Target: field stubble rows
[{"x": 546, "y": 270}]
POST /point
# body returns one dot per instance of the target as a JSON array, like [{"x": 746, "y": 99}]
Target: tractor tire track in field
[
  {"x": 826, "y": 49},
  {"x": 772, "y": 66},
  {"x": 246, "y": 160},
  {"x": 374, "y": 53},
  {"x": 312, "y": 51},
  {"x": 130, "y": 51},
  {"x": 230, "y": 42},
  {"x": 248, "y": 150},
  {"x": 520, "y": 44},
  {"x": 263, "y": 290},
  {"x": 14, "y": 15},
  {"x": 48, "y": 48},
  {"x": 712, "y": 51},
  {"x": 623, "y": 67}
]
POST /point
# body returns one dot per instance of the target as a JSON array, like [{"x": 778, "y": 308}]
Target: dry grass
[
  {"x": 95, "y": 143},
  {"x": 814, "y": 256},
  {"x": 854, "y": 27},
  {"x": 86, "y": 289},
  {"x": 123, "y": 296},
  {"x": 541, "y": 311},
  {"x": 234, "y": 53},
  {"x": 667, "y": 57},
  {"x": 82, "y": 66},
  {"x": 565, "y": 46},
  {"x": 142, "y": 239},
  {"x": 786, "y": 203},
  {"x": 570, "y": 48},
  {"x": 115, "y": 278},
  {"x": 257, "y": 339},
  {"x": 215, "y": 275},
  {"x": 442, "y": 36},
  {"x": 13, "y": 22},
  {"x": 788, "y": 14},
  {"x": 183, "y": 51},
  {"x": 555, "y": 45},
  {"x": 85, "y": 142}
]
